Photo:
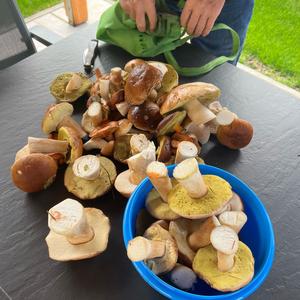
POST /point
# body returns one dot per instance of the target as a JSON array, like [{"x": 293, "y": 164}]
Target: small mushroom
[
  {"x": 233, "y": 219},
  {"x": 180, "y": 234},
  {"x": 74, "y": 141},
  {"x": 94, "y": 143},
  {"x": 124, "y": 127},
  {"x": 116, "y": 79},
  {"x": 122, "y": 149},
  {"x": 76, "y": 232},
  {"x": 183, "y": 277},
  {"x": 202, "y": 132},
  {"x": 94, "y": 112},
  {"x": 158, "y": 65},
  {"x": 225, "y": 117},
  {"x": 74, "y": 83},
  {"x": 33, "y": 172},
  {"x": 164, "y": 151},
  {"x": 104, "y": 88},
  {"x": 170, "y": 123},
  {"x": 42, "y": 145},
  {"x": 145, "y": 116},
  {"x": 157, "y": 248},
  {"x": 169, "y": 81},
  {"x": 108, "y": 149},
  {"x": 236, "y": 203},
  {"x": 116, "y": 98},
  {"x": 185, "y": 150},
  {"x": 138, "y": 143},
  {"x": 105, "y": 130},
  {"x": 87, "y": 167},
  {"x": 237, "y": 135},
  {"x": 142, "y": 79},
  {"x": 201, "y": 237}
]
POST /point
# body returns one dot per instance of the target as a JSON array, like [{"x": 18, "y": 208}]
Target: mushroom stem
[
  {"x": 95, "y": 113},
  {"x": 185, "y": 150},
  {"x": 225, "y": 261},
  {"x": 87, "y": 167},
  {"x": 198, "y": 113},
  {"x": 68, "y": 218},
  {"x": 138, "y": 164},
  {"x": 141, "y": 248},
  {"x": 74, "y": 83},
  {"x": 158, "y": 175},
  {"x": 188, "y": 175},
  {"x": 234, "y": 219},
  {"x": 42, "y": 145},
  {"x": 67, "y": 121}
]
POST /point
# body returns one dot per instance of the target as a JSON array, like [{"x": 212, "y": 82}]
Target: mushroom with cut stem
[
  {"x": 233, "y": 219},
  {"x": 197, "y": 196},
  {"x": 179, "y": 231},
  {"x": 183, "y": 277},
  {"x": 227, "y": 264},
  {"x": 138, "y": 143},
  {"x": 184, "y": 151},
  {"x": 76, "y": 232},
  {"x": 193, "y": 97},
  {"x": 201, "y": 237},
  {"x": 94, "y": 143},
  {"x": 157, "y": 248},
  {"x": 42, "y": 145},
  {"x": 81, "y": 180},
  {"x": 33, "y": 172},
  {"x": 127, "y": 181}
]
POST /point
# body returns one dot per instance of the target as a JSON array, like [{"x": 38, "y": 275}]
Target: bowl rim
[{"x": 168, "y": 290}]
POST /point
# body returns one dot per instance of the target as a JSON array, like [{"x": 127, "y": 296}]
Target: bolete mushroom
[
  {"x": 33, "y": 172},
  {"x": 76, "y": 232},
  {"x": 130, "y": 65},
  {"x": 105, "y": 129},
  {"x": 87, "y": 185},
  {"x": 68, "y": 87},
  {"x": 164, "y": 151},
  {"x": 42, "y": 145},
  {"x": 169, "y": 81},
  {"x": 185, "y": 150},
  {"x": 145, "y": 116},
  {"x": 157, "y": 248},
  {"x": 233, "y": 219},
  {"x": 183, "y": 277},
  {"x": 122, "y": 150},
  {"x": 237, "y": 135},
  {"x": 197, "y": 196},
  {"x": 170, "y": 123},
  {"x": 202, "y": 132},
  {"x": 228, "y": 264},
  {"x": 193, "y": 97},
  {"x": 141, "y": 81},
  {"x": 138, "y": 143}
]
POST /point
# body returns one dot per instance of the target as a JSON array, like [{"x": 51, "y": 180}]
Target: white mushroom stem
[
  {"x": 225, "y": 240},
  {"x": 74, "y": 83},
  {"x": 104, "y": 88},
  {"x": 42, "y": 145},
  {"x": 87, "y": 123},
  {"x": 188, "y": 175},
  {"x": 67, "y": 121},
  {"x": 138, "y": 164},
  {"x": 225, "y": 117},
  {"x": 124, "y": 127},
  {"x": 185, "y": 149},
  {"x": 198, "y": 113},
  {"x": 234, "y": 219},
  {"x": 87, "y": 167},
  {"x": 94, "y": 143},
  {"x": 68, "y": 218},
  {"x": 201, "y": 237},
  {"x": 138, "y": 143},
  {"x": 236, "y": 203},
  {"x": 158, "y": 175},
  {"x": 95, "y": 113},
  {"x": 141, "y": 248},
  {"x": 202, "y": 132},
  {"x": 215, "y": 107},
  {"x": 123, "y": 108}
]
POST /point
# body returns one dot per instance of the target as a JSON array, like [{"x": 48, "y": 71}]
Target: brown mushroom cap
[
  {"x": 219, "y": 193},
  {"x": 54, "y": 115},
  {"x": 91, "y": 189},
  {"x": 132, "y": 64},
  {"x": 141, "y": 81},
  {"x": 206, "y": 267},
  {"x": 169, "y": 123},
  {"x": 201, "y": 91},
  {"x": 164, "y": 151},
  {"x": 167, "y": 262},
  {"x": 145, "y": 116},
  {"x": 61, "y": 250},
  {"x": 33, "y": 172}
]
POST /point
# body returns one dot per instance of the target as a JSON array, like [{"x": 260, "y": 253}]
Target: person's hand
[
  {"x": 138, "y": 9},
  {"x": 199, "y": 16}
]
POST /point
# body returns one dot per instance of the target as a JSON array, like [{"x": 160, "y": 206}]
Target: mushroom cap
[
  {"x": 132, "y": 64},
  {"x": 201, "y": 91},
  {"x": 123, "y": 184},
  {"x": 24, "y": 151},
  {"x": 33, "y": 172},
  {"x": 169, "y": 81},
  {"x": 165, "y": 263},
  {"x": 158, "y": 208},
  {"x": 60, "y": 249},
  {"x": 219, "y": 193},
  {"x": 141, "y": 81},
  {"x": 76, "y": 146},
  {"x": 54, "y": 115},
  {"x": 59, "y": 84},
  {"x": 91, "y": 189},
  {"x": 206, "y": 267},
  {"x": 164, "y": 151},
  {"x": 122, "y": 149},
  {"x": 169, "y": 123},
  {"x": 145, "y": 116}
]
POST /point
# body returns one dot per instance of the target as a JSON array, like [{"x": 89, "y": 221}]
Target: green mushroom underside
[
  {"x": 58, "y": 87},
  {"x": 219, "y": 193},
  {"x": 205, "y": 265}
]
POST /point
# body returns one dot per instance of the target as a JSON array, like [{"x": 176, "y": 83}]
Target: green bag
[{"x": 115, "y": 27}]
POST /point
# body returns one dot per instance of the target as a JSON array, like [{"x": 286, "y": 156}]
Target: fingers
[
  {"x": 193, "y": 21},
  {"x": 209, "y": 25},
  {"x": 200, "y": 25},
  {"x": 151, "y": 13},
  {"x": 185, "y": 15},
  {"x": 140, "y": 17}
]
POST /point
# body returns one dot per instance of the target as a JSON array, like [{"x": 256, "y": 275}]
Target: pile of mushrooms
[{"x": 196, "y": 234}]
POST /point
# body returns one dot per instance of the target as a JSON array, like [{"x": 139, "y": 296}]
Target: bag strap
[{"x": 194, "y": 71}]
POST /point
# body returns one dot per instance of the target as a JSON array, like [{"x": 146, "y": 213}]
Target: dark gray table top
[{"x": 270, "y": 165}]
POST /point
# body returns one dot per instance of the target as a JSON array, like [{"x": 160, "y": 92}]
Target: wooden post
[{"x": 76, "y": 11}]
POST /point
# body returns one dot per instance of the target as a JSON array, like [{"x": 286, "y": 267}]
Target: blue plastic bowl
[{"x": 257, "y": 234}]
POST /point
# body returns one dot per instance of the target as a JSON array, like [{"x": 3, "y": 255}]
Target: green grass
[
  {"x": 30, "y": 7},
  {"x": 273, "y": 40}
]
